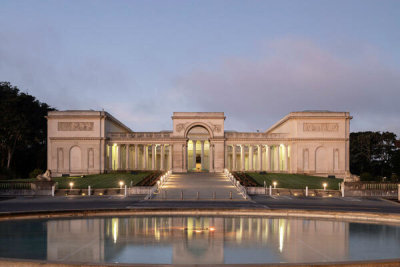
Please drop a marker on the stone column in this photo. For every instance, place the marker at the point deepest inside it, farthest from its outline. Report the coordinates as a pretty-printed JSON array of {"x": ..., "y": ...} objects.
[
  {"x": 211, "y": 156},
  {"x": 162, "y": 157},
  {"x": 242, "y": 157},
  {"x": 234, "y": 158},
  {"x": 119, "y": 157},
  {"x": 276, "y": 158},
  {"x": 144, "y": 157},
  {"x": 194, "y": 153},
  {"x": 184, "y": 152},
  {"x": 127, "y": 157},
  {"x": 136, "y": 156},
  {"x": 170, "y": 156},
  {"x": 110, "y": 162},
  {"x": 153, "y": 156},
  {"x": 226, "y": 157},
  {"x": 202, "y": 154},
  {"x": 286, "y": 158},
  {"x": 259, "y": 147},
  {"x": 250, "y": 157}
]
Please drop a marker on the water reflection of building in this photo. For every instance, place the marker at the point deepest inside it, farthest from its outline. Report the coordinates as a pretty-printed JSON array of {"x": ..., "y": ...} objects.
[
  {"x": 210, "y": 240},
  {"x": 75, "y": 240}
]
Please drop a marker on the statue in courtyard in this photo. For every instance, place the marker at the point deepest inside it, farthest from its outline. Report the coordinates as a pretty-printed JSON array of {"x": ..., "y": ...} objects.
[{"x": 45, "y": 176}]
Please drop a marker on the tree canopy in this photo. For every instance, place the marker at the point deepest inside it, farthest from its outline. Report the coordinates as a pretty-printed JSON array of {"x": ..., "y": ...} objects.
[
  {"x": 374, "y": 153},
  {"x": 23, "y": 132}
]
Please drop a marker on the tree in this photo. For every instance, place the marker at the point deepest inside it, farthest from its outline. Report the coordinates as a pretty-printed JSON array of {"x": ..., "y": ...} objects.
[
  {"x": 374, "y": 153},
  {"x": 23, "y": 129}
]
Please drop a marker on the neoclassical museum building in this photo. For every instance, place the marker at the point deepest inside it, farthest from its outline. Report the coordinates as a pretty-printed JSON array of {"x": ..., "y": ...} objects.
[{"x": 89, "y": 142}]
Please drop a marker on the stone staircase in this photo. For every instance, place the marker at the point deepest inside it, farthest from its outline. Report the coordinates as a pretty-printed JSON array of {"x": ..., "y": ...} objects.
[{"x": 198, "y": 186}]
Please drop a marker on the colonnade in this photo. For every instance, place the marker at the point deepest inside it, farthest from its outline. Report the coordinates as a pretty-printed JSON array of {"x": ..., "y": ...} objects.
[
  {"x": 139, "y": 157},
  {"x": 205, "y": 151},
  {"x": 249, "y": 157}
]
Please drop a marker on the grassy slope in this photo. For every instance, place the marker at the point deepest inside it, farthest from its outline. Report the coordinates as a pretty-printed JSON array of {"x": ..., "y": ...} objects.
[
  {"x": 295, "y": 181},
  {"x": 109, "y": 180}
]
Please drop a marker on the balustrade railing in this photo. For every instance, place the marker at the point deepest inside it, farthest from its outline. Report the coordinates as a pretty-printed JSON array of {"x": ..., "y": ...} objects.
[
  {"x": 140, "y": 135},
  {"x": 242, "y": 190},
  {"x": 157, "y": 187}
]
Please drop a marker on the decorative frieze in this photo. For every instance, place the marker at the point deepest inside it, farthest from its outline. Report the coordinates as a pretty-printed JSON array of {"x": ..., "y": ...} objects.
[
  {"x": 75, "y": 126},
  {"x": 320, "y": 127}
]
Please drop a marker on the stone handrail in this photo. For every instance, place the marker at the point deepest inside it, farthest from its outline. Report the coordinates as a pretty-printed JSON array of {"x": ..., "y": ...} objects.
[
  {"x": 255, "y": 135},
  {"x": 242, "y": 190},
  {"x": 139, "y": 135},
  {"x": 163, "y": 179}
]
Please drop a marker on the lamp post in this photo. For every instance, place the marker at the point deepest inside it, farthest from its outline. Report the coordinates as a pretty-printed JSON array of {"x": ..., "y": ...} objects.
[
  {"x": 274, "y": 183},
  {"x": 71, "y": 184},
  {"x": 121, "y": 183},
  {"x": 325, "y": 185}
]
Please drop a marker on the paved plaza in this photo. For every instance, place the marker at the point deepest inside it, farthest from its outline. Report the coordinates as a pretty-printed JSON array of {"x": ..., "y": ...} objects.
[{"x": 202, "y": 186}]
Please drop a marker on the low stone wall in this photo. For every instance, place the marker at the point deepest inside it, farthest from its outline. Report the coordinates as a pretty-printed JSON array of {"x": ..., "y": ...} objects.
[
  {"x": 139, "y": 190},
  {"x": 25, "y": 192},
  {"x": 371, "y": 189},
  {"x": 292, "y": 192}
]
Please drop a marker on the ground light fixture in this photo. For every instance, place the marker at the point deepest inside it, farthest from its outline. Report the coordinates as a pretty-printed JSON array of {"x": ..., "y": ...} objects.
[
  {"x": 325, "y": 185},
  {"x": 274, "y": 183},
  {"x": 71, "y": 184},
  {"x": 121, "y": 183}
]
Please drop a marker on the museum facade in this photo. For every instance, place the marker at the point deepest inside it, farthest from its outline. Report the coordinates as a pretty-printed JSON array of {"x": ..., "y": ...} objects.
[{"x": 91, "y": 142}]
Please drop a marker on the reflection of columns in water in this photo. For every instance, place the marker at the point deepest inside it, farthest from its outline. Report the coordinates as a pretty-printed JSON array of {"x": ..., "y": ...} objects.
[{"x": 202, "y": 154}]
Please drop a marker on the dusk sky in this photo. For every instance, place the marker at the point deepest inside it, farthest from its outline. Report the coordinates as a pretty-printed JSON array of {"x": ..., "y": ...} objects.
[{"x": 254, "y": 60}]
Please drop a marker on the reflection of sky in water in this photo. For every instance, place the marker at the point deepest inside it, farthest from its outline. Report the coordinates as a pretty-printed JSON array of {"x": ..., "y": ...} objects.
[
  {"x": 374, "y": 241},
  {"x": 202, "y": 240}
]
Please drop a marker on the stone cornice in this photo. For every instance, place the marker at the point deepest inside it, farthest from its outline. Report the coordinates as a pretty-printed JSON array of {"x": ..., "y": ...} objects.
[
  {"x": 198, "y": 117},
  {"x": 257, "y": 141},
  {"x": 77, "y": 138}
]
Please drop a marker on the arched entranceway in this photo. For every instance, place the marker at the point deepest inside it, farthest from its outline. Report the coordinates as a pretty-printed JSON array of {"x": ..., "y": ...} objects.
[{"x": 198, "y": 149}]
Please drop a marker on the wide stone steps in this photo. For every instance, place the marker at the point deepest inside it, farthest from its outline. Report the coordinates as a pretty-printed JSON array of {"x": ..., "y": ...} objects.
[{"x": 198, "y": 186}]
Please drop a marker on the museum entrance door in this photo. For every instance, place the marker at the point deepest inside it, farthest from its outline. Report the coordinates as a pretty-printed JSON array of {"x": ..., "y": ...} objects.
[{"x": 198, "y": 149}]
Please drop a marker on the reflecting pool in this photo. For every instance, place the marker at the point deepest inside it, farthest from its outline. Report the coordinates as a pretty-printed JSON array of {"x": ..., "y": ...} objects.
[{"x": 201, "y": 240}]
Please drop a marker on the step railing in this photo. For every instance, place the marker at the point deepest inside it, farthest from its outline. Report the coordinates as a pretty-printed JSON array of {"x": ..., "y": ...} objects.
[
  {"x": 242, "y": 190},
  {"x": 157, "y": 187}
]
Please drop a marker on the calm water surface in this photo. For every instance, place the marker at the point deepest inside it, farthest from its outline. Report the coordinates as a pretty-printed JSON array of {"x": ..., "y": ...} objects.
[{"x": 211, "y": 240}]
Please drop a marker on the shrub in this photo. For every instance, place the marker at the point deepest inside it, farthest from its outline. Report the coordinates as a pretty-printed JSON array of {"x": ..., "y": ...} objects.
[
  {"x": 6, "y": 174},
  {"x": 394, "y": 178},
  {"x": 35, "y": 173},
  {"x": 366, "y": 176}
]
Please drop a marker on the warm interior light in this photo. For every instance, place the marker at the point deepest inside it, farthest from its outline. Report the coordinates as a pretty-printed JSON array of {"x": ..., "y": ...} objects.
[{"x": 212, "y": 229}]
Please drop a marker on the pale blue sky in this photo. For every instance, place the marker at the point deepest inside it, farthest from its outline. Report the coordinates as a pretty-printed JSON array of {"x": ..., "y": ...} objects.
[{"x": 254, "y": 60}]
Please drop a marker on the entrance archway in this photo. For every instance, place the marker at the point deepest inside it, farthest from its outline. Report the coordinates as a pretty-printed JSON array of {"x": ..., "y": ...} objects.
[{"x": 198, "y": 149}]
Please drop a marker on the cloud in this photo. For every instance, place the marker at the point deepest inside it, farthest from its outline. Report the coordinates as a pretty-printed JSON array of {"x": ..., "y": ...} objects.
[{"x": 296, "y": 74}]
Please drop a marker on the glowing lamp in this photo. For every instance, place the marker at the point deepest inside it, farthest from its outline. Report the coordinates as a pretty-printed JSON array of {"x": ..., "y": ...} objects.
[
  {"x": 121, "y": 183},
  {"x": 325, "y": 185},
  {"x": 274, "y": 183},
  {"x": 71, "y": 184}
]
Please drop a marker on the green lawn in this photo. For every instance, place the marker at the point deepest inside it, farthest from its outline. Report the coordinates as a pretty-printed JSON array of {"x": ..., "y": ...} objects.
[
  {"x": 295, "y": 181},
  {"x": 109, "y": 180}
]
